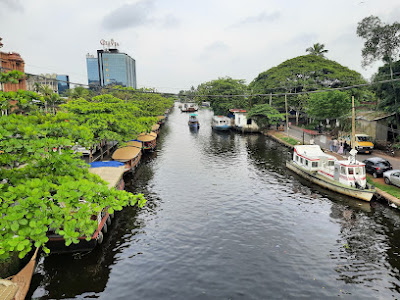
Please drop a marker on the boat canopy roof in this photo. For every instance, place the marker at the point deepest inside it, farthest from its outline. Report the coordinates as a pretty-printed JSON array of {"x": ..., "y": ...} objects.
[
  {"x": 313, "y": 152},
  {"x": 147, "y": 137},
  {"x": 137, "y": 144},
  {"x": 218, "y": 118},
  {"x": 193, "y": 115},
  {"x": 126, "y": 153},
  {"x": 348, "y": 164},
  {"x": 161, "y": 117},
  {"x": 155, "y": 127}
]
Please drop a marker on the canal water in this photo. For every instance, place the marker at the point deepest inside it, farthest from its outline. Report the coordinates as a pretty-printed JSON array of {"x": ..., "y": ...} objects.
[{"x": 226, "y": 220}]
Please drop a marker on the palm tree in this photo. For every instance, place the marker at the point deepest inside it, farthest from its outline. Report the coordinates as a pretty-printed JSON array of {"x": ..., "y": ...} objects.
[{"x": 317, "y": 49}]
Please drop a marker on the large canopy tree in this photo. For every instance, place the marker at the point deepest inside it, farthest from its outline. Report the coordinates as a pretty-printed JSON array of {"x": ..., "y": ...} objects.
[
  {"x": 218, "y": 92},
  {"x": 302, "y": 74}
]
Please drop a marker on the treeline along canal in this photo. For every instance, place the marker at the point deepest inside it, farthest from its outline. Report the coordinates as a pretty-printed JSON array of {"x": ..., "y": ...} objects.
[{"x": 226, "y": 220}]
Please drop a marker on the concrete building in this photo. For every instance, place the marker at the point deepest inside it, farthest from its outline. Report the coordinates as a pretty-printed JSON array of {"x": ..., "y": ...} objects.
[
  {"x": 8, "y": 62},
  {"x": 35, "y": 81},
  {"x": 241, "y": 122}
]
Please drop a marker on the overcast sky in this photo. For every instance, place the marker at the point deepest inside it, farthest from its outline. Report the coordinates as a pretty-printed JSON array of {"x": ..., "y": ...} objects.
[{"x": 177, "y": 43}]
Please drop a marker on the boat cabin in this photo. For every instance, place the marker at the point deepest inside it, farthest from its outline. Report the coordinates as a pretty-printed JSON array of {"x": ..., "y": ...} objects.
[
  {"x": 221, "y": 123},
  {"x": 314, "y": 160}
]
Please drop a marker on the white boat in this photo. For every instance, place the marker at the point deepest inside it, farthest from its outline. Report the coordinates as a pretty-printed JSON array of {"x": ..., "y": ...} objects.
[
  {"x": 221, "y": 123},
  {"x": 347, "y": 177}
]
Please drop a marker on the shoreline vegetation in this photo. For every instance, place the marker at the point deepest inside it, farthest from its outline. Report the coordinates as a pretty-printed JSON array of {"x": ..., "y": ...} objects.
[{"x": 45, "y": 183}]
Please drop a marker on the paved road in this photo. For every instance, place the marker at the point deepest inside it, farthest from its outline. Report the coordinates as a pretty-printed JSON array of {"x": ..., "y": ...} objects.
[{"x": 325, "y": 140}]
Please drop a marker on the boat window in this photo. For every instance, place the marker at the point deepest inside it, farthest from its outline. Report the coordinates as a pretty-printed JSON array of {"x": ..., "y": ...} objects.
[
  {"x": 315, "y": 164},
  {"x": 306, "y": 162},
  {"x": 301, "y": 160},
  {"x": 357, "y": 171},
  {"x": 331, "y": 163},
  {"x": 297, "y": 158},
  {"x": 351, "y": 171},
  {"x": 342, "y": 170}
]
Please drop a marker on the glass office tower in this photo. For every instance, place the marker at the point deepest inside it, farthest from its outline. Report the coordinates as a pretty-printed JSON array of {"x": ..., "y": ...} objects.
[
  {"x": 63, "y": 83},
  {"x": 92, "y": 70},
  {"x": 113, "y": 68}
]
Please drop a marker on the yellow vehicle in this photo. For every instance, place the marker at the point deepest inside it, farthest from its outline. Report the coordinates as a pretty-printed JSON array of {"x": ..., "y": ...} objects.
[{"x": 363, "y": 142}]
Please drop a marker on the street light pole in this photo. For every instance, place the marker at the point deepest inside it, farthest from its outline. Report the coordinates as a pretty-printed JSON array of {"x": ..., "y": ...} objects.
[{"x": 287, "y": 117}]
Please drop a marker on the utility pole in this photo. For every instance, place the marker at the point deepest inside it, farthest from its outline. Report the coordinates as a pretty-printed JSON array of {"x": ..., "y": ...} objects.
[
  {"x": 287, "y": 117},
  {"x": 270, "y": 99},
  {"x": 353, "y": 124}
]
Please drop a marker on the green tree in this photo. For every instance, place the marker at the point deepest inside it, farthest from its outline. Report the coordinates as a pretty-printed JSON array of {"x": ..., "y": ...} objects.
[
  {"x": 219, "y": 93},
  {"x": 265, "y": 115},
  {"x": 303, "y": 74},
  {"x": 382, "y": 42},
  {"x": 317, "y": 49},
  {"x": 328, "y": 105}
]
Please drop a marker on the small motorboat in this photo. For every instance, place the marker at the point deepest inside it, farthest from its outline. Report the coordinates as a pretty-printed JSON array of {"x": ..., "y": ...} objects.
[
  {"x": 193, "y": 122},
  {"x": 221, "y": 123}
]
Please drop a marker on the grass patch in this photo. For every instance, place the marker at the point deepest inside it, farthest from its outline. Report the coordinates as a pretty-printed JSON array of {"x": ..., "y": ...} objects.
[
  {"x": 390, "y": 189},
  {"x": 287, "y": 139}
]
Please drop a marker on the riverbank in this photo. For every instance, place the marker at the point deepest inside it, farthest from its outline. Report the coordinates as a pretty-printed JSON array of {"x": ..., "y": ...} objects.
[{"x": 387, "y": 193}]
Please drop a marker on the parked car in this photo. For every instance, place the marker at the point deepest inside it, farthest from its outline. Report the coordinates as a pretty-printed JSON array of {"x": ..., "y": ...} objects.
[
  {"x": 377, "y": 166},
  {"x": 392, "y": 177}
]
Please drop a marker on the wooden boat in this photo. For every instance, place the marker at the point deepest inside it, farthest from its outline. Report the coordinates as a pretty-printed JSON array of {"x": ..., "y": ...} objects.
[
  {"x": 161, "y": 120},
  {"x": 193, "y": 122},
  {"x": 155, "y": 128},
  {"x": 16, "y": 287},
  {"x": 221, "y": 123},
  {"x": 111, "y": 172},
  {"x": 347, "y": 177},
  {"x": 149, "y": 140},
  {"x": 129, "y": 155}
]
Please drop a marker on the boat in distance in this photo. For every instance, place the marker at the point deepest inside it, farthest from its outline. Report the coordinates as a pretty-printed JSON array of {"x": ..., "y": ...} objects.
[
  {"x": 346, "y": 177},
  {"x": 221, "y": 123},
  {"x": 193, "y": 122}
]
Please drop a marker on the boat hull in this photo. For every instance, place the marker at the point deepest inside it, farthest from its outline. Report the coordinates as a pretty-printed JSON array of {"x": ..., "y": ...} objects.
[
  {"x": 221, "y": 127},
  {"x": 365, "y": 195}
]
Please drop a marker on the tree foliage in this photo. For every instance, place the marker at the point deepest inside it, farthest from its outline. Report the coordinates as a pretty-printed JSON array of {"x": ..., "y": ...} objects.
[
  {"x": 382, "y": 41},
  {"x": 265, "y": 115},
  {"x": 387, "y": 92},
  {"x": 223, "y": 87},
  {"x": 328, "y": 105},
  {"x": 317, "y": 49},
  {"x": 44, "y": 185},
  {"x": 302, "y": 74}
]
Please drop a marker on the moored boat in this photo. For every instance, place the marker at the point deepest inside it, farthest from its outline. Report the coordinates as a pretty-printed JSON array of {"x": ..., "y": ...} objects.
[
  {"x": 161, "y": 120},
  {"x": 16, "y": 287},
  {"x": 149, "y": 140},
  {"x": 189, "y": 107},
  {"x": 221, "y": 123},
  {"x": 347, "y": 177},
  {"x": 111, "y": 172},
  {"x": 155, "y": 128},
  {"x": 193, "y": 122},
  {"x": 129, "y": 155}
]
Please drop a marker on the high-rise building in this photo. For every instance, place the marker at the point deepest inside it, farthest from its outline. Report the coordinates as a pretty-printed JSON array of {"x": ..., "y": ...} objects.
[
  {"x": 111, "y": 67},
  {"x": 63, "y": 83},
  {"x": 92, "y": 65}
]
